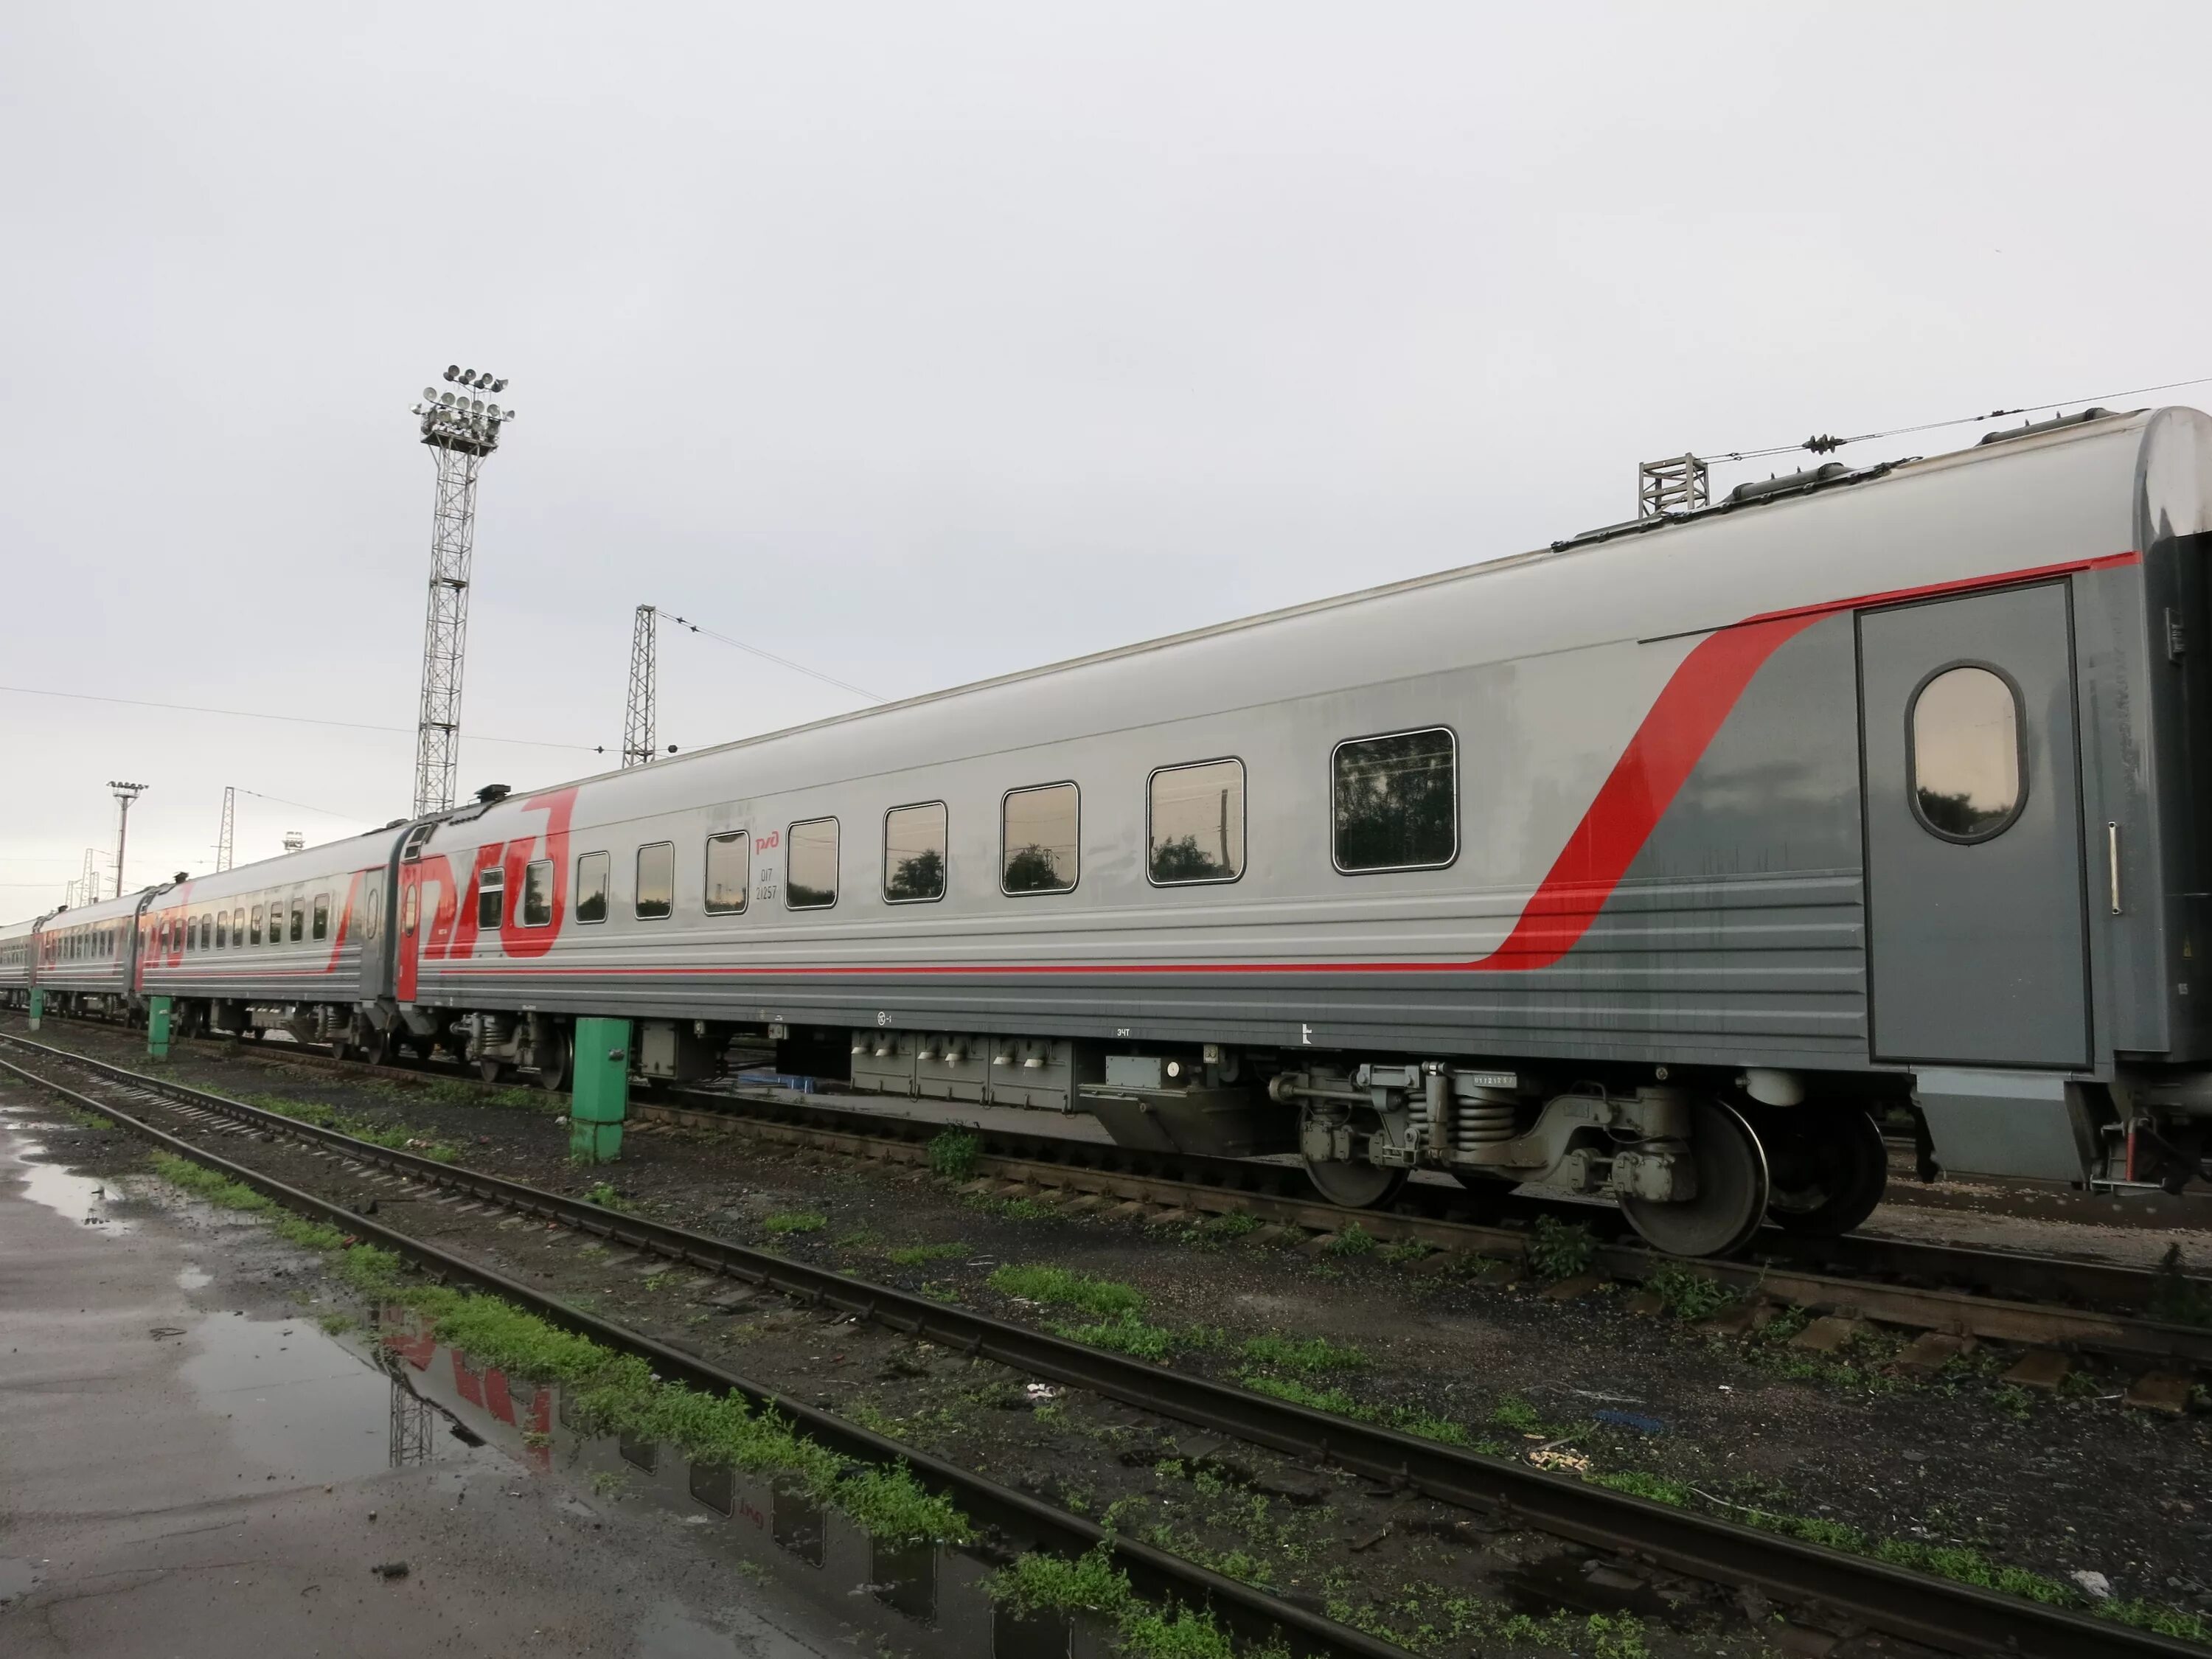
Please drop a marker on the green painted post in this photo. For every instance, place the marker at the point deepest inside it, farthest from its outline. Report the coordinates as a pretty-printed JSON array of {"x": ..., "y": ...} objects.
[
  {"x": 601, "y": 1097},
  {"x": 38, "y": 1005},
  {"x": 157, "y": 1027}
]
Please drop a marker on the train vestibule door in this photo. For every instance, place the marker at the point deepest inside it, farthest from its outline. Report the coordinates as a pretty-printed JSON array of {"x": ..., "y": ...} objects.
[{"x": 1976, "y": 944}]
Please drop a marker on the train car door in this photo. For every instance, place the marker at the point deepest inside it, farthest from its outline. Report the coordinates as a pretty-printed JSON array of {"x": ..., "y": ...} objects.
[{"x": 1977, "y": 934}]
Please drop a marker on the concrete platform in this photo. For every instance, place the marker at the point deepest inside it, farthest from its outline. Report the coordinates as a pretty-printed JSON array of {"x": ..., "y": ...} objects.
[{"x": 193, "y": 1467}]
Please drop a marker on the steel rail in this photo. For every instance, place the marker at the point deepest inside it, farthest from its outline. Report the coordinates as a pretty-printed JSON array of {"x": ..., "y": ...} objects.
[
  {"x": 1959, "y": 1618},
  {"x": 1152, "y": 1571}
]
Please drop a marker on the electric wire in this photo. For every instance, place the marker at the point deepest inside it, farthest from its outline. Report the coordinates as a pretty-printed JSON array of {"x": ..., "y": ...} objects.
[
  {"x": 1824, "y": 443},
  {"x": 786, "y": 662},
  {"x": 293, "y": 720}
]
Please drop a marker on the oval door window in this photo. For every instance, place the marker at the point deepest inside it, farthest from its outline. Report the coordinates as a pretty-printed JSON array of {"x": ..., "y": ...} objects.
[{"x": 1968, "y": 779}]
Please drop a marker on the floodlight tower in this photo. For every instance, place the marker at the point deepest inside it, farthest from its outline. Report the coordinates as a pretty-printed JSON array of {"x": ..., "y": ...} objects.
[
  {"x": 642, "y": 713},
  {"x": 461, "y": 431},
  {"x": 124, "y": 794}
]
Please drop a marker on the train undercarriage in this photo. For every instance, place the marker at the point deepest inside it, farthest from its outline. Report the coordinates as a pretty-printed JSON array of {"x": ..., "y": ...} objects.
[{"x": 1697, "y": 1160}]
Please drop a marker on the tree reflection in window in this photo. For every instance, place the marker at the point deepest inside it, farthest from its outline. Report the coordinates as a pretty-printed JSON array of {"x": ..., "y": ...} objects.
[
  {"x": 810, "y": 867},
  {"x": 1396, "y": 801},
  {"x": 1039, "y": 829},
  {"x": 1967, "y": 776},
  {"x": 914, "y": 853},
  {"x": 1197, "y": 817}
]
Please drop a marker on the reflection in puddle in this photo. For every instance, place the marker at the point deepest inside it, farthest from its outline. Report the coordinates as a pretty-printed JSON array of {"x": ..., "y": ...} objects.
[
  {"x": 303, "y": 1408},
  {"x": 81, "y": 1199},
  {"x": 936, "y": 1593},
  {"x": 190, "y": 1278}
]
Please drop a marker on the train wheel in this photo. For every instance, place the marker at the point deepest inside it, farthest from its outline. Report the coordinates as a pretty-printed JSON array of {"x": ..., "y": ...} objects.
[
  {"x": 555, "y": 1077},
  {"x": 1733, "y": 1188},
  {"x": 1355, "y": 1186},
  {"x": 1830, "y": 1169}
]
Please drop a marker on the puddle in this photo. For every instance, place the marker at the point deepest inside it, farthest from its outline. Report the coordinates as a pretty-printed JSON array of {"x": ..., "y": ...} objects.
[
  {"x": 307, "y": 1409},
  {"x": 922, "y": 1600},
  {"x": 190, "y": 1278},
  {"x": 17, "y": 1576},
  {"x": 81, "y": 1199}
]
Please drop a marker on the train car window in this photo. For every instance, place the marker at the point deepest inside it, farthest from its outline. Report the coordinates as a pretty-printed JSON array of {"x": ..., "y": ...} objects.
[
  {"x": 591, "y": 887},
  {"x": 656, "y": 881},
  {"x": 372, "y": 906},
  {"x": 729, "y": 871},
  {"x": 491, "y": 898},
  {"x": 811, "y": 864},
  {"x": 238, "y": 928},
  {"x": 1038, "y": 832},
  {"x": 299, "y": 918},
  {"x": 1967, "y": 768},
  {"x": 1196, "y": 823},
  {"x": 1396, "y": 801},
  {"x": 407, "y": 908},
  {"x": 914, "y": 846},
  {"x": 537, "y": 894},
  {"x": 253, "y": 925},
  {"x": 322, "y": 915},
  {"x": 221, "y": 929}
]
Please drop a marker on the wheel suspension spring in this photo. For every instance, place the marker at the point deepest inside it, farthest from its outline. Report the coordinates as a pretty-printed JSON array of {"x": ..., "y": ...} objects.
[{"x": 1481, "y": 1123}]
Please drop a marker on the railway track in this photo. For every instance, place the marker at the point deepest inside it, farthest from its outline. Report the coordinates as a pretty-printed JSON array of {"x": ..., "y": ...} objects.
[
  {"x": 2031, "y": 1302},
  {"x": 1937, "y": 1612}
]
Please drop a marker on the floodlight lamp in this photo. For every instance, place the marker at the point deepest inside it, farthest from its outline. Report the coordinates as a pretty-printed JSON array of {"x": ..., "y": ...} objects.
[
  {"x": 499, "y": 385},
  {"x": 447, "y": 398},
  {"x": 429, "y": 394},
  {"x": 453, "y": 371},
  {"x": 492, "y": 411}
]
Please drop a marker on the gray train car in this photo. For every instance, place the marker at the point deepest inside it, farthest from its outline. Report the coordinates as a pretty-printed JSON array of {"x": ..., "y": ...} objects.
[
  {"x": 18, "y": 939},
  {"x": 86, "y": 959},
  {"x": 289, "y": 942},
  {"x": 1639, "y": 865}
]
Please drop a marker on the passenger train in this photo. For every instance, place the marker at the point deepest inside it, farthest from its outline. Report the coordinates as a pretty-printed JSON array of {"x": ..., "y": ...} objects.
[{"x": 1643, "y": 865}]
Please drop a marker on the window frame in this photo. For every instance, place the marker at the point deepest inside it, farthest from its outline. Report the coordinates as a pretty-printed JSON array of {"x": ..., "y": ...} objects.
[
  {"x": 299, "y": 918},
  {"x": 319, "y": 926},
  {"x": 2020, "y": 753},
  {"x": 606, "y": 889},
  {"x": 238, "y": 927},
  {"x": 1244, "y": 784},
  {"x": 744, "y": 837},
  {"x": 529, "y": 873},
  {"x": 937, "y": 897},
  {"x": 837, "y": 861},
  {"x": 253, "y": 919},
  {"x": 1032, "y": 789},
  {"x": 491, "y": 879},
  {"x": 637, "y": 871},
  {"x": 1339, "y": 747}
]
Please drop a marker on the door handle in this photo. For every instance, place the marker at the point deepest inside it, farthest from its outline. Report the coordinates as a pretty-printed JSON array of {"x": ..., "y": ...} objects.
[{"x": 2112, "y": 862}]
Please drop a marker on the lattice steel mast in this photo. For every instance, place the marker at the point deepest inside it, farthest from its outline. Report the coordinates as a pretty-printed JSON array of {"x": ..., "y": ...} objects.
[
  {"x": 641, "y": 715},
  {"x": 1679, "y": 483},
  {"x": 222, "y": 841},
  {"x": 462, "y": 431}
]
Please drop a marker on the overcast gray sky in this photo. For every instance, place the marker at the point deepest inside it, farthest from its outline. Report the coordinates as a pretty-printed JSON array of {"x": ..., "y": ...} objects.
[{"x": 921, "y": 342}]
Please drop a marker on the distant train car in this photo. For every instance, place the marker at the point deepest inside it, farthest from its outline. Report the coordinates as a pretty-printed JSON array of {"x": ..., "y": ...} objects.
[
  {"x": 291, "y": 942},
  {"x": 84, "y": 958},
  {"x": 1642, "y": 866},
  {"x": 18, "y": 939}
]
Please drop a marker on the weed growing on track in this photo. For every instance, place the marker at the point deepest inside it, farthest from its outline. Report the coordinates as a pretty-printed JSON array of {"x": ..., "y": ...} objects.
[
  {"x": 953, "y": 1154},
  {"x": 603, "y": 1193},
  {"x": 1308, "y": 1355},
  {"x": 393, "y": 1138},
  {"x": 1560, "y": 1250},
  {"x": 1061, "y": 1287},
  {"x": 1352, "y": 1240},
  {"x": 796, "y": 1221},
  {"x": 203, "y": 1182},
  {"x": 1687, "y": 1294},
  {"x": 1036, "y": 1583}
]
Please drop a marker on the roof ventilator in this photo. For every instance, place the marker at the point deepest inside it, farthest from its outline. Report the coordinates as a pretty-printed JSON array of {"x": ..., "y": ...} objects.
[{"x": 2035, "y": 428}]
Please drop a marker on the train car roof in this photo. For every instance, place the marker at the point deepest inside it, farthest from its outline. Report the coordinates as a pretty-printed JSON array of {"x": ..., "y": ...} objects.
[{"x": 2085, "y": 487}]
